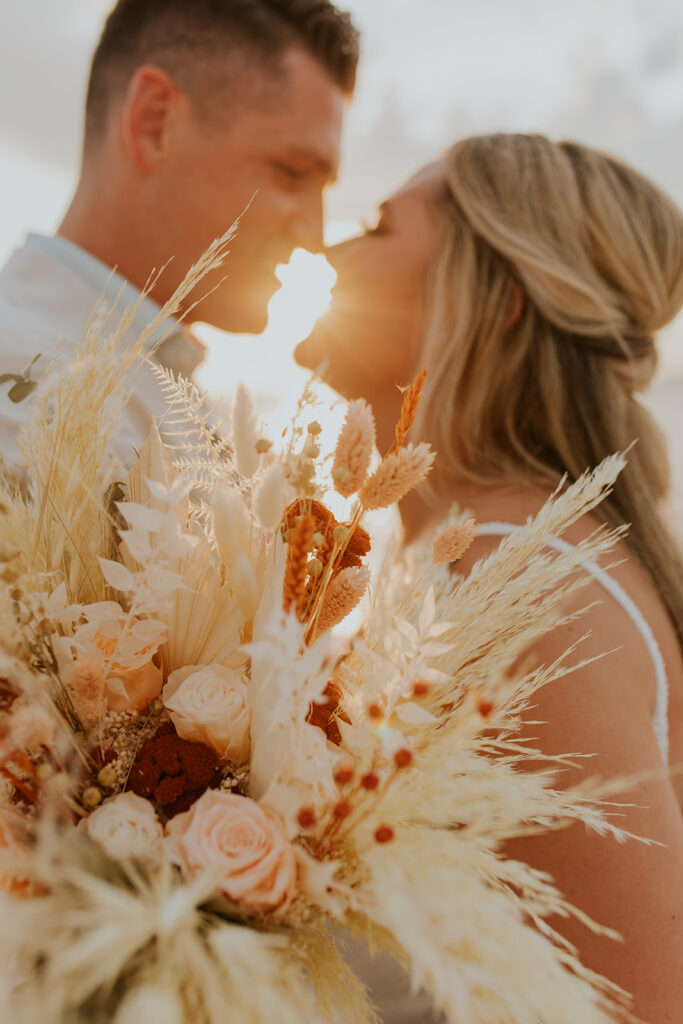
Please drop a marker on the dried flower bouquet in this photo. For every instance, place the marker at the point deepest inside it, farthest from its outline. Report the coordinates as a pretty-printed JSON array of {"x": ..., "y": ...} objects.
[{"x": 200, "y": 786}]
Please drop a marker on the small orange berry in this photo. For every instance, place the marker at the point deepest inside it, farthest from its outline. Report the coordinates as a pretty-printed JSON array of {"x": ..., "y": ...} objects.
[
  {"x": 370, "y": 781},
  {"x": 421, "y": 689},
  {"x": 342, "y": 809},
  {"x": 344, "y": 774},
  {"x": 402, "y": 758},
  {"x": 375, "y": 711},
  {"x": 485, "y": 708},
  {"x": 306, "y": 817},
  {"x": 384, "y": 834}
]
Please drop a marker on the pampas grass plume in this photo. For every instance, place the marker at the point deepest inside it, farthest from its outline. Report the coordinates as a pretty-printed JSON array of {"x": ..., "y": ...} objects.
[
  {"x": 452, "y": 543},
  {"x": 354, "y": 449},
  {"x": 151, "y": 1004},
  {"x": 269, "y": 497},
  {"x": 245, "y": 432},
  {"x": 396, "y": 476},
  {"x": 230, "y": 526},
  {"x": 344, "y": 593}
]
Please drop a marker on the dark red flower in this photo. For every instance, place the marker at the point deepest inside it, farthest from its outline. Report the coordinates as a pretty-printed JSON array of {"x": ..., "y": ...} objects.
[{"x": 173, "y": 772}]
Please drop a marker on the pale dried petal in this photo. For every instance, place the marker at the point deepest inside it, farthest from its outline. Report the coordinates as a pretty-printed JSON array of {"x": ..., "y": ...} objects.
[
  {"x": 245, "y": 433},
  {"x": 354, "y": 449},
  {"x": 230, "y": 526},
  {"x": 452, "y": 543},
  {"x": 396, "y": 476},
  {"x": 269, "y": 497},
  {"x": 245, "y": 586}
]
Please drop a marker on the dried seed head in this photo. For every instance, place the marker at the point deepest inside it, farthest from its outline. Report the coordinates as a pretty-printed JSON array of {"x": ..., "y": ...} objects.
[
  {"x": 344, "y": 774},
  {"x": 384, "y": 834},
  {"x": 344, "y": 593},
  {"x": 306, "y": 817},
  {"x": 354, "y": 449},
  {"x": 314, "y": 428},
  {"x": 403, "y": 758},
  {"x": 311, "y": 449},
  {"x": 91, "y": 797},
  {"x": 340, "y": 534},
  {"x": 452, "y": 543},
  {"x": 318, "y": 539},
  {"x": 263, "y": 446},
  {"x": 370, "y": 781},
  {"x": 107, "y": 776},
  {"x": 396, "y": 475},
  {"x": 315, "y": 567}
]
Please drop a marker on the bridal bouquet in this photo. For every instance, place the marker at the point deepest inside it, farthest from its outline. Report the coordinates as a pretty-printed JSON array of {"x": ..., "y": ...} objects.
[{"x": 203, "y": 784}]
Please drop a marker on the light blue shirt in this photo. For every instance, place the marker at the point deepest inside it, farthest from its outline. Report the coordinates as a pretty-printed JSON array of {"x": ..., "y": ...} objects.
[{"x": 178, "y": 350}]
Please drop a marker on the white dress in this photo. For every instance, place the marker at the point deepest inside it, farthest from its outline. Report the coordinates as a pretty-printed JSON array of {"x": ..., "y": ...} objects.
[{"x": 387, "y": 983}]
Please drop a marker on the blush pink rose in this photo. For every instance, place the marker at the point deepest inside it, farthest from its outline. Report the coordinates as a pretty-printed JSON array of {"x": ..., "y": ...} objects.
[{"x": 246, "y": 842}]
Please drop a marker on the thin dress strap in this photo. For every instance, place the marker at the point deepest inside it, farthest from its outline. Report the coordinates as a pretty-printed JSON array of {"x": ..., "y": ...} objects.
[{"x": 660, "y": 718}]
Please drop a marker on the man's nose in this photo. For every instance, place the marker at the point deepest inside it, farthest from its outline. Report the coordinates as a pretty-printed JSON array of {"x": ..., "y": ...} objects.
[{"x": 308, "y": 224}]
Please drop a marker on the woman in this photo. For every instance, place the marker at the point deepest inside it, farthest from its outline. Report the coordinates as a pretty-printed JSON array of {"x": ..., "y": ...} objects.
[{"x": 529, "y": 277}]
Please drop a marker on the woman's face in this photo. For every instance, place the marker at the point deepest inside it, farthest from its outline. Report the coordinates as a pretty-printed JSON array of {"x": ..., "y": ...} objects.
[{"x": 370, "y": 337}]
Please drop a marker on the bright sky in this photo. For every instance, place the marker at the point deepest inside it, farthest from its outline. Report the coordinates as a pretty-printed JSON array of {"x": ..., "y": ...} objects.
[{"x": 609, "y": 72}]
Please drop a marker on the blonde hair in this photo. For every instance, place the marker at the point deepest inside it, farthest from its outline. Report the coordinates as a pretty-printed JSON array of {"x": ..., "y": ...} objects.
[{"x": 556, "y": 264}]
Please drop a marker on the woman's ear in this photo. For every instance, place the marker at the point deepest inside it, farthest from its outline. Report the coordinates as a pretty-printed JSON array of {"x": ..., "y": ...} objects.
[{"x": 515, "y": 305}]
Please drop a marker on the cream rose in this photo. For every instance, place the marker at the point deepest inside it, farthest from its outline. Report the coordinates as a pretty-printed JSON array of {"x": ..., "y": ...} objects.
[
  {"x": 246, "y": 842},
  {"x": 210, "y": 704},
  {"x": 127, "y": 826}
]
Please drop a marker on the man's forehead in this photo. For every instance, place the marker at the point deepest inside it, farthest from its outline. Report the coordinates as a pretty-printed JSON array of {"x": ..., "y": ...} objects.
[{"x": 302, "y": 111}]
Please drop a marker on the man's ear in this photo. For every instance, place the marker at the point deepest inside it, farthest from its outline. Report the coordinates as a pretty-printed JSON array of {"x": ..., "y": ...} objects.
[
  {"x": 148, "y": 116},
  {"x": 515, "y": 306}
]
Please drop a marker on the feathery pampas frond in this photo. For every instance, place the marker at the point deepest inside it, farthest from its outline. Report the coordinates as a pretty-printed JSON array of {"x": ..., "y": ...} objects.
[
  {"x": 344, "y": 593},
  {"x": 354, "y": 449},
  {"x": 396, "y": 476},
  {"x": 411, "y": 401},
  {"x": 452, "y": 543}
]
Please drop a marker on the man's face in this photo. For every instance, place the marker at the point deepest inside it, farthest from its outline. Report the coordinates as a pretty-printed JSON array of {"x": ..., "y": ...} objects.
[{"x": 278, "y": 149}]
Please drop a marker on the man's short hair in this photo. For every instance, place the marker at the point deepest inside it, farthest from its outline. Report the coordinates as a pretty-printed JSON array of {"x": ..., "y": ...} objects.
[{"x": 193, "y": 39}]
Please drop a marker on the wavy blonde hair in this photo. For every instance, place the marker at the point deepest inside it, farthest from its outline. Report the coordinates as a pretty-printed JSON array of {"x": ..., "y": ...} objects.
[{"x": 555, "y": 266}]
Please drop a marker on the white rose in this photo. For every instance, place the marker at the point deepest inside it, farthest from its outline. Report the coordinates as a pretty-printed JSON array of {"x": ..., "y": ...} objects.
[
  {"x": 210, "y": 704},
  {"x": 127, "y": 826}
]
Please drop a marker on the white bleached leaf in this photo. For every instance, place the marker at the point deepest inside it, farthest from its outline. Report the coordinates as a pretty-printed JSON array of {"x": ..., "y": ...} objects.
[
  {"x": 116, "y": 575},
  {"x": 117, "y": 687},
  {"x": 428, "y": 613},
  {"x": 140, "y": 517},
  {"x": 138, "y": 544},
  {"x": 413, "y": 714}
]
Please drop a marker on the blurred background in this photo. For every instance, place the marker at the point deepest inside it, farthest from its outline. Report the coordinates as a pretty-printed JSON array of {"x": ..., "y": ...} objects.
[{"x": 606, "y": 72}]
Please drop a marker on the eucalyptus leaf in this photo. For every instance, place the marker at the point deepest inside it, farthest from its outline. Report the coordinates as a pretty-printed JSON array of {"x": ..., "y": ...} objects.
[{"x": 21, "y": 390}]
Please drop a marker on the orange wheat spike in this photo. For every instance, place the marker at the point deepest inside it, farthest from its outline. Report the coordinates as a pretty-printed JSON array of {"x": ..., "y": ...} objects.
[
  {"x": 297, "y": 561},
  {"x": 411, "y": 402}
]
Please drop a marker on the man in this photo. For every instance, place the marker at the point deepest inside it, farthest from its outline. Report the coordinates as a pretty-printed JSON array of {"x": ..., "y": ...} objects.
[{"x": 196, "y": 111}]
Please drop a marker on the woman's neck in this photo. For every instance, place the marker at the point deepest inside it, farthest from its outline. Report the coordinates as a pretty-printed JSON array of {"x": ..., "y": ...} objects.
[{"x": 498, "y": 501}]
